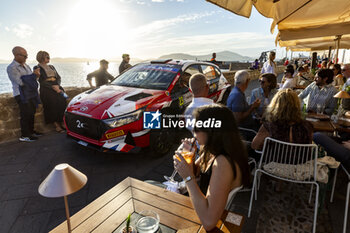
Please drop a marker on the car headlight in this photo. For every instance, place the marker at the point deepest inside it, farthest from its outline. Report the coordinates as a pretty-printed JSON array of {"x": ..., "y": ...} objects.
[{"x": 125, "y": 119}]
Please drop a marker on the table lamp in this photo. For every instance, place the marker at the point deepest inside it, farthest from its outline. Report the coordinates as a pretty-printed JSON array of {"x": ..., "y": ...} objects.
[
  {"x": 62, "y": 181},
  {"x": 341, "y": 95}
]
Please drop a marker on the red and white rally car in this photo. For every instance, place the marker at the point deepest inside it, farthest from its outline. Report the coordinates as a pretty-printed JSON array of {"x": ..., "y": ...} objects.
[{"x": 110, "y": 117}]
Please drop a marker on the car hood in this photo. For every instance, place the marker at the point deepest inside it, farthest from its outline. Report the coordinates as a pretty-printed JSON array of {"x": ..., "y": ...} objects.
[{"x": 111, "y": 100}]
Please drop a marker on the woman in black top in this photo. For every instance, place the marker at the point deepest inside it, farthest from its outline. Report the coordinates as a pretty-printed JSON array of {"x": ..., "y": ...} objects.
[
  {"x": 52, "y": 94},
  {"x": 222, "y": 165}
]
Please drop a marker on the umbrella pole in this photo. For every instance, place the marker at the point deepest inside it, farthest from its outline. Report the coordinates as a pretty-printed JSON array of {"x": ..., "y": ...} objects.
[
  {"x": 337, "y": 51},
  {"x": 67, "y": 213},
  {"x": 329, "y": 53}
]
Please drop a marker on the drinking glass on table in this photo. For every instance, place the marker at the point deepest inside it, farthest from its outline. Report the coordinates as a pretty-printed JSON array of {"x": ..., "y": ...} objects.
[
  {"x": 148, "y": 222},
  {"x": 319, "y": 109},
  {"x": 187, "y": 151}
]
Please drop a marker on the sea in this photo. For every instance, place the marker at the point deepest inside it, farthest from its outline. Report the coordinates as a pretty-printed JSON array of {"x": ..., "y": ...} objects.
[{"x": 72, "y": 73}]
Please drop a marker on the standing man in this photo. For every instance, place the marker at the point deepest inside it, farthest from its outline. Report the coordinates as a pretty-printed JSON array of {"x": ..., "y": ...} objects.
[
  {"x": 27, "y": 106},
  {"x": 213, "y": 58},
  {"x": 125, "y": 63},
  {"x": 270, "y": 65},
  {"x": 200, "y": 91},
  {"x": 101, "y": 75}
]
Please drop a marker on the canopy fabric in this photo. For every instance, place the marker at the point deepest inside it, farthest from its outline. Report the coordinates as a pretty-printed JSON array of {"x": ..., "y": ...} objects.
[
  {"x": 276, "y": 9},
  {"x": 315, "y": 44},
  {"x": 317, "y": 19}
]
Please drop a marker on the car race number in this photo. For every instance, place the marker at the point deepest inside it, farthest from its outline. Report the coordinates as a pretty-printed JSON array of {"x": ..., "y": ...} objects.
[{"x": 181, "y": 100}]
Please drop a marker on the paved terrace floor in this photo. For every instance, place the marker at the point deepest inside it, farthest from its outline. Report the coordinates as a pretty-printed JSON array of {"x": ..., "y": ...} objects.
[{"x": 23, "y": 166}]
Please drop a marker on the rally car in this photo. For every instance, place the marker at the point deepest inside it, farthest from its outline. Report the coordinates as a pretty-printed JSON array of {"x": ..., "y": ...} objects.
[{"x": 110, "y": 117}]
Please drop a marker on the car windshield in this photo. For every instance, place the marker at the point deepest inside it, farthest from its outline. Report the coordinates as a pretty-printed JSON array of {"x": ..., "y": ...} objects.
[{"x": 149, "y": 76}]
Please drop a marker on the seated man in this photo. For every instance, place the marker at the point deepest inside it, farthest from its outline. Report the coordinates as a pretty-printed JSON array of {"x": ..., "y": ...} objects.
[
  {"x": 320, "y": 92},
  {"x": 200, "y": 90},
  {"x": 238, "y": 104}
]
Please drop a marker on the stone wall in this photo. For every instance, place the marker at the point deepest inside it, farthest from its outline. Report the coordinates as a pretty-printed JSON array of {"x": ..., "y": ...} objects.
[
  {"x": 9, "y": 112},
  {"x": 9, "y": 115}
]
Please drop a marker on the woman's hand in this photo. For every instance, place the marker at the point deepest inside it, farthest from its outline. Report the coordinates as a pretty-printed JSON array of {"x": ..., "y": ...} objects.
[
  {"x": 346, "y": 144},
  {"x": 56, "y": 88},
  {"x": 182, "y": 167},
  {"x": 189, "y": 144}
]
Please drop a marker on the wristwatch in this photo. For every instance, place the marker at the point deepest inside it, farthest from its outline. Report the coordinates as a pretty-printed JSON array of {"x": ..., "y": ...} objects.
[{"x": 188, "y": 178}]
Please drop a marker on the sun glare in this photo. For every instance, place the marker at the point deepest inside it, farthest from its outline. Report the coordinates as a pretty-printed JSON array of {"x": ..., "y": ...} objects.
[{"x": 94, "y": 29}]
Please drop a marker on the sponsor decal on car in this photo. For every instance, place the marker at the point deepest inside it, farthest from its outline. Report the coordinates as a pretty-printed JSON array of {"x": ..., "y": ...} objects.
[{"x": 115, "y": 134}]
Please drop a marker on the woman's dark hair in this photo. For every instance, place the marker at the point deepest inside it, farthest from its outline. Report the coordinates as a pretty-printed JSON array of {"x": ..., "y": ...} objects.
[
  {"x": 272, "y": 79},
  {"x": 290, "y": 66},
  {"x": 326, "y": 73},
  {"x": 337, "y": 66},
  {"x": 289, "y": 70},
  {"x": 224, "y": 140}
]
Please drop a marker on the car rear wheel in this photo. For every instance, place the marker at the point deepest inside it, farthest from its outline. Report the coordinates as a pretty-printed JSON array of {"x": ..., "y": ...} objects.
[{"x": 161, "y": 141}]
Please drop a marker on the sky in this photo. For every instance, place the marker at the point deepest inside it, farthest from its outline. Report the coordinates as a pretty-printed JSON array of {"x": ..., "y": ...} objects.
[{"x": 143, "y": 28}]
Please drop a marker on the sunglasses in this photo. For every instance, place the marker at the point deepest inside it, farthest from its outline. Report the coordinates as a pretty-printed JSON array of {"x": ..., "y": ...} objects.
[
  {"x": 48, "y": 57},
  {"x": 261, "y": 81},
  {"x": 344, "y": 70}
]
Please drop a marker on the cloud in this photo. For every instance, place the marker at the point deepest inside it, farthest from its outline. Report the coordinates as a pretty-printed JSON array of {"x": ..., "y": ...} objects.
[
  {"x": 158, "y": 26},
  {"x": 7, "y": 29},
  {"x": 157, "y": 0},
  {"x": 141, "y": 2},
  {"x": 22, "y": 30}
]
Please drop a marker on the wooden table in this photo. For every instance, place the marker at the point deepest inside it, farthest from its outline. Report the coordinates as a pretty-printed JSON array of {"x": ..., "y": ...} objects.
[
  {"x": 109, "y": 211},
  {"x": 327, "y": 125}
]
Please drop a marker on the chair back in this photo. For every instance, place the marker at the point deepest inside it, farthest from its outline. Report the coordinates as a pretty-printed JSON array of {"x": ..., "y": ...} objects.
[
  {"x": 289, "y": 161},
  {"x": 231, "y": 196}
]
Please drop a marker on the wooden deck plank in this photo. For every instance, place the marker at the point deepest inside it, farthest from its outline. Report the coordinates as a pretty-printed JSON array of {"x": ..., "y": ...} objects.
[
  {"x": 160, "y": 192},
  {"x": 94, "y": 206},
  {"x": 96, "y": 219},
  {"x": 164, "y": 204},
  {"x": 166, "y": 218},
  {"x": 189, "y": 230},
  {"x": 117, "y": 218}
]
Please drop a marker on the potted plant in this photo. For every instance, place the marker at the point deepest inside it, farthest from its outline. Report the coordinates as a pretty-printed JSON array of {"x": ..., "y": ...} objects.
[{"x": 128, "y": 228}]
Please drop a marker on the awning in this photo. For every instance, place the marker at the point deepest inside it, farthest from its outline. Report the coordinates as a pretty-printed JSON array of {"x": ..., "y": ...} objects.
[
  {"x": 316, "y": 44},
  {"x": 275, "y": 9},
  {"x": 319, "y": 18}
]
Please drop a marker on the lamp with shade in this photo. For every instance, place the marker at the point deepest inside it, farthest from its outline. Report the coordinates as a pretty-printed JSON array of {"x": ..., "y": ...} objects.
[
  {"x": 341, "y": 95},
  {"x": 62, "y": 181}
]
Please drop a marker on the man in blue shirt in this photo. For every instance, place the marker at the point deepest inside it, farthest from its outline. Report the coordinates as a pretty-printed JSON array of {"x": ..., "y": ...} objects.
[
  {"x": 15, "y": 71},
  {"x": 238, "y": 104}
]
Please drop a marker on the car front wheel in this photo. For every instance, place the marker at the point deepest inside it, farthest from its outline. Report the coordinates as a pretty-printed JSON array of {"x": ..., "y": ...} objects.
[{"x": 161, "y": 141}]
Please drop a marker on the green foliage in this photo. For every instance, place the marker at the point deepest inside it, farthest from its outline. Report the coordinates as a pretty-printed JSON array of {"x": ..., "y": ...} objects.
[{"x": 128, "y": 222}]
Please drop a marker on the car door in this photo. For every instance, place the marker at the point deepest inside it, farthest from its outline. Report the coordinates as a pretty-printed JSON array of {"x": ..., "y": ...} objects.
[
  {"x": 180, "y": 94},
  {"x": 212, "y": 75}
]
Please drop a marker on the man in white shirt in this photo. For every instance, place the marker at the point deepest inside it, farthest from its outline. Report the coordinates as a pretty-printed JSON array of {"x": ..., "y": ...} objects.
[
  {"x": 15, "y": 71},
  {"x": 200, "y": 90},
  {"x": 270, "y": 66}
]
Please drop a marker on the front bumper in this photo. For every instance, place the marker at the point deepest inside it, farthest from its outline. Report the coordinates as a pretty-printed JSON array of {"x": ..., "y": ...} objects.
[{"x": 130, "y": 143}]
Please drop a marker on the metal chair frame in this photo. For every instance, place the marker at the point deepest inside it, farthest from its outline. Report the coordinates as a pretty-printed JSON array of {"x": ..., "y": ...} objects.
[
  {"x": 288, "y": 154},
  {"x": 347, "y": 194}
]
